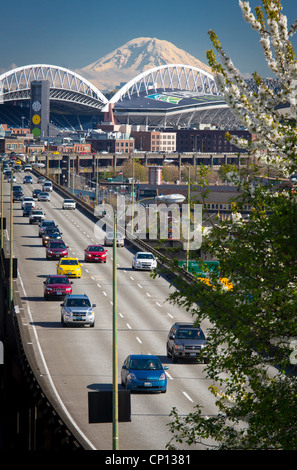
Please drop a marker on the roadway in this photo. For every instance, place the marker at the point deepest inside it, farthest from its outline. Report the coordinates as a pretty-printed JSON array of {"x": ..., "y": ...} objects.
[{"x": 73, "y": 361}]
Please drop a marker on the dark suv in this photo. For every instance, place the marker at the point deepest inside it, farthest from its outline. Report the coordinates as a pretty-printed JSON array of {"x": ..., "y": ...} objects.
[{"x": 186, "y": 341}]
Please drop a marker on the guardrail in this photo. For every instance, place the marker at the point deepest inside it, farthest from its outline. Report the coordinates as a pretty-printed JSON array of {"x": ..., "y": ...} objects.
[{"x": 41, "y": 422}]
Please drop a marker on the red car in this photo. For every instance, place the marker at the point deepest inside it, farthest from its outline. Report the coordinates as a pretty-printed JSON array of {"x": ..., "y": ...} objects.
[
  {"x": 56, "y": 249},
  {"x": 57, "y": 286},
  {"x": 95, "y": 253}
]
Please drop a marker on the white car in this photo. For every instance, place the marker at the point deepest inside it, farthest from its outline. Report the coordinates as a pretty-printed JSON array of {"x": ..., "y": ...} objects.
[
  {"x": 69, "y": 204},
  {"x": 28, "y": 200},
  {"x": 144, "y": 260}
]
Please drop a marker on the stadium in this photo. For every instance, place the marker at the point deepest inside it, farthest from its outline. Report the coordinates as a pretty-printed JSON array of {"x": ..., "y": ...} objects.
[
  {"x": 172, "y": 96},
  {"x": 168, "y": 96}
]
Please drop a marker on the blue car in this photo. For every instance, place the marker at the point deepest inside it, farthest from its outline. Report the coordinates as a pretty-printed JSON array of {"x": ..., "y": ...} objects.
[
  {"x": 28, "y": 179},
  {"x": 144, "y": 373}
]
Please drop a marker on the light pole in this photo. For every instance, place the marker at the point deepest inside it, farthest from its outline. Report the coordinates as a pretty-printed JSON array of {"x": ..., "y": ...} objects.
[
  {"x": 115, "y": 393},
  {"x": 189, "y": 215},
  {"x": 2, "y": 205},
  {"x": 115, "y": 404},
  {"x": 11, "y": 246}
]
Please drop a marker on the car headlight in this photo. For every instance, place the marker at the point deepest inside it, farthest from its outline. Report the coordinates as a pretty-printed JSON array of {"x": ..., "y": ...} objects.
[
  {"x": 162, "y": 376},
  {"x": 178, "y": 346},
  {"x": 131, "y": 376}
]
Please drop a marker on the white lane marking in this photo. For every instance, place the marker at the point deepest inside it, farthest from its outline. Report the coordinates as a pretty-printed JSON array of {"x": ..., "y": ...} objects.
[
  {"x": 169, "y": 314},
  {"x": 139, "y": 286},
  {"x": 168, "y": 375},
  {"x": 47, "y": 372},
  {"x": 139, "y": 340},
  {"x": 132, "y": 279},
  {"x": 148, "y": 294},
  {"x": 98, "y": 285},
  {"x": 159, "y": 305},
  {"x": 128, "y": 326},
  {"x": 104, "y": 293},
  {"x": 187, "y": 396}
]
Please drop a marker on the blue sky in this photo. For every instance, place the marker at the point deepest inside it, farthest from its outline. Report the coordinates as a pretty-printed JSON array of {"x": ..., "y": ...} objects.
[{"x": 74, "y": 34}]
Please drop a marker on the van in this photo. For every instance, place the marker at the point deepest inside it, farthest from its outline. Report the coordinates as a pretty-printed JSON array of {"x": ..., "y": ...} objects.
[{"x": 47, "y": 186}]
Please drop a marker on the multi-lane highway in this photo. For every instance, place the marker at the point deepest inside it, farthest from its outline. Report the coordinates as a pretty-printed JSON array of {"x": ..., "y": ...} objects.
[{"x": 74, "y": 361}]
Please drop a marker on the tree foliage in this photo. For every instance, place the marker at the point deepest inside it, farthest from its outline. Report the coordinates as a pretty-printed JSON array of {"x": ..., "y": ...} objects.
[{"x": 253, "y": 325}]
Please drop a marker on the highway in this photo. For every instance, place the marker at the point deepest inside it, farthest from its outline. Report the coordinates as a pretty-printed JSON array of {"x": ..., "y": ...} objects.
[{"x": 74, "y": 361}]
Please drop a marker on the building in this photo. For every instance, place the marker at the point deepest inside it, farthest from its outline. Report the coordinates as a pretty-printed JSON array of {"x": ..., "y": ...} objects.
[
  {"x": 111, "y": 142},
  {"x": 208, "y": 140},
  {"x": 154, "y": 141}
]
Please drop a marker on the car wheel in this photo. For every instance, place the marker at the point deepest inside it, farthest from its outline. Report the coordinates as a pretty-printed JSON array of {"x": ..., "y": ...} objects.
[
  {"x": 92, "y": 325},
  {"x": 63, "y": 323},
  {"x": 174, "y": 358}
]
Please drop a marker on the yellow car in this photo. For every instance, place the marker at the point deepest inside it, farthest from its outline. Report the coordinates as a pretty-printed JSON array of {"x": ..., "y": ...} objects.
[{"x": 69, "y": 266}]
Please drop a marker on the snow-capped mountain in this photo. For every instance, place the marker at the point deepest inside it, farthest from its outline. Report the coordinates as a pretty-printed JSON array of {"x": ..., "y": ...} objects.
[{"x": 134, "y": 57}]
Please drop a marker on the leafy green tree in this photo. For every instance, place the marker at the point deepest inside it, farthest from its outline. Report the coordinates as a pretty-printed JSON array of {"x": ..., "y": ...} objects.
[{"x": 252, "y": 336}]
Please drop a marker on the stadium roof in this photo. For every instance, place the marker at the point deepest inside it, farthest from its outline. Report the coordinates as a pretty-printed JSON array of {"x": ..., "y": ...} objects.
[{"x": 168, "y": 96}]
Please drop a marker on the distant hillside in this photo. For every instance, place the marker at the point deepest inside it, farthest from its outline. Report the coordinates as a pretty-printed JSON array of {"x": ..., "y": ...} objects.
[{"x": 134, "y": 57}]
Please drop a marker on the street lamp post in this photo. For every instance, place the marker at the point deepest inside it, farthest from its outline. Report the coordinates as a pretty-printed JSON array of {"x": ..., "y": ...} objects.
[
  {"x": 11, "y": 245},
  {"x": 115, "y": 406},
  {"x": 115, "y": 394},
  {"x": 2, "y": 206}
]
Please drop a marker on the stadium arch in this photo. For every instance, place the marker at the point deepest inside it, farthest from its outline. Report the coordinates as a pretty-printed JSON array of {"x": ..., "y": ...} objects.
[
  {"x": 75, "y": 103},
  {"x": 171, "y": 96},
  {"x": 65, "y": 85}
]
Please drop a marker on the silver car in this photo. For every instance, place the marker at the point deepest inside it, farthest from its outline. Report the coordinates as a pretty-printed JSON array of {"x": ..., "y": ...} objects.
[
  {"x": 43, "y": 196},
  {"x": 108, "y": 239},
  {"x": 77, "y": 310}
]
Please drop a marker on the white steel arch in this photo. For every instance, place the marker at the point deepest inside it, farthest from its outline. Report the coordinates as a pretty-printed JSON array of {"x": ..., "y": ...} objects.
[
  {"x": 65, "y": 85},
  {"x": 172, "y": 76}
]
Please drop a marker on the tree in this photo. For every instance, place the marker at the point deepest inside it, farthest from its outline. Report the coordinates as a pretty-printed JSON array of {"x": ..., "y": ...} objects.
[{"x": 252, "y": 336}]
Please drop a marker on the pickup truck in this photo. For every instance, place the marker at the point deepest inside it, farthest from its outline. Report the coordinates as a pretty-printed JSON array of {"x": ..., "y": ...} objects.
[{"x": 36, "y": 216}]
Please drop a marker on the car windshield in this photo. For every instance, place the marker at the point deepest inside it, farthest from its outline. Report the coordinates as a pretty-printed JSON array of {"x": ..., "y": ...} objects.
[
  {"x": 37, "y": 212},
  {"x": 110, "y": 235},
  {"x": 48, "y": 223},
  {"x": 57, "y": 245},
  {"x": 145, "y": 256},
  {"x": 96, "y": 248},
  {"x": 68, "y": 200},
  {"x": 190, "y": 333},
  {"x": 145, "y": 364},
  {"x": 78, "y": 303},
  {"x": 51, "y": 230},
  {"x": 69, "y": 262},
  {"x": 58, "y": 280}
]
